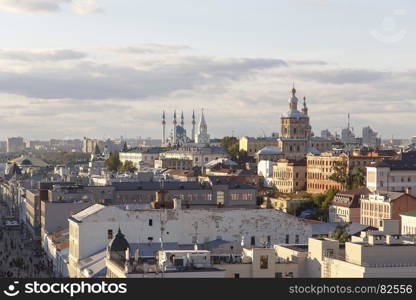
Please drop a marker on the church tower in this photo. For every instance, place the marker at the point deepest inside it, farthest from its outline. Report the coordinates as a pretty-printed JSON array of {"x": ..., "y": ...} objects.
[
  {"x": 295, "y": 129},
  {"x": 193, "y": 125},
  {"x": 202, "y": 136}
]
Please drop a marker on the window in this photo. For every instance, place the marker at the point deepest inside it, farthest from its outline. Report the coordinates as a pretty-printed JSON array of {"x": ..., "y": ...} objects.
[
  {"x": 237, "y": 275},
  {"x": 264, "y": 262},
  {"x": 150, "y": 239},
  {"x": 150, "y": 222},
  {"x": 287, "y": 239},
  {"x": 110, "y": 234},
  {"x": 253, "y": 241},
  {"x": 297, "y": 239},
  {"x": 278, "y": 275},
  {"x": 220, "y": 197},
  {"x": 268, "y": 239}
]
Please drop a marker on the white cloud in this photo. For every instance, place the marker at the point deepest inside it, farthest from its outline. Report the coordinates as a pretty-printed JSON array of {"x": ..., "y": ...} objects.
[
  {"x": 50, "y": 6},
  {"x": 32, "y": 6},
  {"x": 85, "y": 7},
  {"x": 148, "y": 48},
  {"x": 29, "y": 55},
  {"x": 118, "y": 95}
]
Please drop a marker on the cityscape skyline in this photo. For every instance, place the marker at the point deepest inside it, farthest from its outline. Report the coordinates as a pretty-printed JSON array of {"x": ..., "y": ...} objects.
[{"x": 52, "y": 85}]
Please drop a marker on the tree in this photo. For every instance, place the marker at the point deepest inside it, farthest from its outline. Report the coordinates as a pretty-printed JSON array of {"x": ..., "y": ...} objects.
[
  {"x": 231, "y": 146},
  {"x": 128, "y": 167},
  {"x": 357, "y": 180},
  {"x": 340, "y": 233},
  {"x": 340, "y": 173},
  {"x": 113, "y": 163}
]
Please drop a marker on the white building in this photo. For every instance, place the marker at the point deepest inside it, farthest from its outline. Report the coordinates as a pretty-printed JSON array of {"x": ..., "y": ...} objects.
[
  {"x": 265, "y": 169},
  {"x": 91, "y": 229},
  {"x": 408, "y": 221},
  {"x": 202, "y": 136},
  {"x": 392, "y": 176}
]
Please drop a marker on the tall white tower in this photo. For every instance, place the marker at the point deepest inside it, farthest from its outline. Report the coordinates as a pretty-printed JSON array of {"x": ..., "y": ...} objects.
[
  {"x": 193, "y": 126},
  {"x": 174, "y": 127},
  {"x": 202, "y": 136}
]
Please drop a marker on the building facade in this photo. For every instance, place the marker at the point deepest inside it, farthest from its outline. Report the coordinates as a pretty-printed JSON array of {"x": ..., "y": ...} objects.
[
  {"x": 90, "y": 229},
  {"x": 289, "y": 176},
  {"x": 384, "y": 205},
  {"x": 345, "y": 207},
  {"x": 392, "y": 176}
]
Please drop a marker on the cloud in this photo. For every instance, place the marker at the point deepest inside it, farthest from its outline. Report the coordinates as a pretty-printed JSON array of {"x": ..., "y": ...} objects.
[
  {"x": 244, "y": 96},
  {"x": 32, "y": 6},
  {"x": 345, "y": 76},
  {"x": 90, "y": 80},
  {"x": 41, "y": 55},
  {"x": 84, "y": 7},
  {"x": 148, "y": 48},
  {"x": 50, "y": 6}
]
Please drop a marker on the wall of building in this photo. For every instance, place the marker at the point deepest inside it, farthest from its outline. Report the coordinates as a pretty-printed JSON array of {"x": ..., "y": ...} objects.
[{"x": 185, "y": 226}]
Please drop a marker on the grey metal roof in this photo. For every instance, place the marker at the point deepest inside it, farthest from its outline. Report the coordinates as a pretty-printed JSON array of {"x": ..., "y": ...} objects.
[{"x": 154, "y": 186}]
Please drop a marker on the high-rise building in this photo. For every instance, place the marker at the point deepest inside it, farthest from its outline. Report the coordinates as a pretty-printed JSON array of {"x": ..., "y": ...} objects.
[
  {"x": 370, "y": 138},
  {"x": 15, "y": 144}
]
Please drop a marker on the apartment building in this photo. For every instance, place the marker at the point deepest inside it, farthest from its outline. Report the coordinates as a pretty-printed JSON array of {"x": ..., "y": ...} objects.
[
  {"x": 91, "y": 229},
  {"x": 377, "y": 206},
  {"x": 289, "y": 176},
  {"x": 252, "y": 145},
  {"x": 392, "y": 176},
  {"x": 319, "y": 169},
  {"x": 382, "y": 254},
  {"x": 141, "y": 157},
  {"x": 408, "y": 222},
  {"x": 198, "y": 155},
  {"x": 345, "y": 207}
]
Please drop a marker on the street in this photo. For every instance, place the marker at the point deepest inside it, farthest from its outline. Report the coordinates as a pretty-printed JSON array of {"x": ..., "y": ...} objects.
[{"x": 18, "y": 258}]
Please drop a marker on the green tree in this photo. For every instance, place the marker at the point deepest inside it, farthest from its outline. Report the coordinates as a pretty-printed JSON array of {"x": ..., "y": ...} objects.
[
  {"x": 340, "y": 173},
  {"x": 128, "y": 167},
  {"x": 113, "y": 163},
  {"x": 231, "y": 146},
  {"x": 340, "y": 233},
  {"x": 357, "y": 180}
]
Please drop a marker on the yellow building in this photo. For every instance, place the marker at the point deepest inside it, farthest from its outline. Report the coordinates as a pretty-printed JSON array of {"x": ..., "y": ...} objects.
[
  {"x": 253, "y": 145},
  {"x": 289, "y": 176}
]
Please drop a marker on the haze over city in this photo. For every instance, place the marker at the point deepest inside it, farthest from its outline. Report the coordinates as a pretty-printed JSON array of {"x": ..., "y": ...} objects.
[{"x": 108, "y": 68}]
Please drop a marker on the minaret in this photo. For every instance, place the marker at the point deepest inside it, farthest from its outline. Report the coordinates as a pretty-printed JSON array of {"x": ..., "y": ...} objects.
[
  {"x": 193, "y": 126},
  {"x": 163, "y": 128},
  {"x": 182, "y": 120},
  {"x": 305, "y": 108},
  {"x": 174, "y": 127}
]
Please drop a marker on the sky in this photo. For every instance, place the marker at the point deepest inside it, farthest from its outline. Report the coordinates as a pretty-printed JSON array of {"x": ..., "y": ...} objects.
[{"x": 107, "y": 68}]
